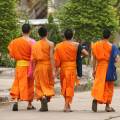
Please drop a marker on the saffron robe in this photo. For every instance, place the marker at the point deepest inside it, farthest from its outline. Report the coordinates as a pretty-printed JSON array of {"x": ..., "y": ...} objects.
[
  {"x": 65, "y": 58},
  {"x": 44, "y": 82},
  {"x": 102, "y": 90},
  {"x": 22, "y": 88}
]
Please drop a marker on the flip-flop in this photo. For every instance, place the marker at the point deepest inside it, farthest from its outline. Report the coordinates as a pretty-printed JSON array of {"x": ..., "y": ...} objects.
[
  {"x": 110, "y": 109},
  {"x": 15, "y": 107},
  {"x": 31, "y": 108},
  {"x": 44, "y": 105},
  {"x": 94, "y": 105},
  {"x": 68, "y": 110}
]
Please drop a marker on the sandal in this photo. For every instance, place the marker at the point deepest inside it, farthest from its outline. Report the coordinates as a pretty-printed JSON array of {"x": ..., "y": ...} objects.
[
  {"x": 94, "y": 105},
  {"x": 109, "y": 109},
  {"x": 15, "y": 107},
  {"x": 44, "y": 105},
  {"x": 67, "y": 109},
  {"x": 31, "y": 108}
]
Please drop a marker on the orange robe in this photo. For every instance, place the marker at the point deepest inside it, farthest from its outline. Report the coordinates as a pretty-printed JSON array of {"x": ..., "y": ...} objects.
[
  {"x": 44, "y": 82},
  {"x": 65, "y": 58},
  {"x": 102, "y": 90},
  {"x": 22, "y": 88}
]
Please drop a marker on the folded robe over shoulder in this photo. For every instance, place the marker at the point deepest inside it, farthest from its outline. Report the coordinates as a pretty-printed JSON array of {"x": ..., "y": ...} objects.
[
  {"x": 79, "y": 61},
  {"x": 111, "y": 72}
]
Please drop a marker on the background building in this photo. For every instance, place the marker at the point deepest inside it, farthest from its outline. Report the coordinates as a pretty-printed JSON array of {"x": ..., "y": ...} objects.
[
  {"x": 33, "y": 9},
  {"x": 54, "y": 5}
]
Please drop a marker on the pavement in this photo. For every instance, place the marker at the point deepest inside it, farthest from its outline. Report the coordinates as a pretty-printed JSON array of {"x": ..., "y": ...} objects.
[
  {"x": 81, "y": 107},
  {"x": 81, "y": 104},
  {"x": 7, "y": 77}
]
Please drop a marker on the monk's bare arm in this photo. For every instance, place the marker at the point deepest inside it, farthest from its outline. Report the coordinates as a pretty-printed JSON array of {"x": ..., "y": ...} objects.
[
  {"x": 52, "y": 56},
  {"x": 85, "y": 52},
  {"x": 76, "y": 44}
]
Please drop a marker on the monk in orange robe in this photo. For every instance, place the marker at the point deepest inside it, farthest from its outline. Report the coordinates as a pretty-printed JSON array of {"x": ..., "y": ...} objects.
[
  {"x": 23, "y": 86},
  {"x": 65, "y": 59},
  {"x": 102, "y": 90},
  {"x": 42, "y": 56}
]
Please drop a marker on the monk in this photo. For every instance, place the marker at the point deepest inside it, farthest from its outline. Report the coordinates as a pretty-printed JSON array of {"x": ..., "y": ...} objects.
[
  {"x": 65, "y": 59},
  {"x": 23, "y": 86},
  {"x": 81, "y": 53},
  {"x": 102, "y": 90},
  {"x": 42, "y": 56}
]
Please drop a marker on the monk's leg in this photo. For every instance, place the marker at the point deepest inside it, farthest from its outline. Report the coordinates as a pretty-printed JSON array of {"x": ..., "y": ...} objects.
[
  {"x": 94, "y": 105},
  {"x": 77, "y": 82},
  {"x": 66, "y": 104},
  {"x": 108, "y": 94},
  {"x": 30, "y": 106},
  {"x": 40, "y": 96},
  {"x": 44, "y": 104},
  {"x": 31, "y": 95},
  {"x": 15, "y": 105},
  {"x": 68, "y": 101},
  {"x": 109, "y": 109},
  {"x": 107, "y": 98},
  {"x": 15, "y": 92}
]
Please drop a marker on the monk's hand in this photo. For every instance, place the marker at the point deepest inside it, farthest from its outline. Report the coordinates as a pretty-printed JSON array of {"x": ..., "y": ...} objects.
[{"x": 93, "y": 74}]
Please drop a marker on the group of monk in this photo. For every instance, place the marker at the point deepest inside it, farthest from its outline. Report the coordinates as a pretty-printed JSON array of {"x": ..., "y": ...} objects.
[{"x": 39, "y": 63}]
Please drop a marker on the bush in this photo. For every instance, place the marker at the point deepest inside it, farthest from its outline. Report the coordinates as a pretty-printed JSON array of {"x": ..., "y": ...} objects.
[
  {"x": 53, "y": 30},
  {"x": 88, "y": 17},
  {"x": 9, "y": 28}
]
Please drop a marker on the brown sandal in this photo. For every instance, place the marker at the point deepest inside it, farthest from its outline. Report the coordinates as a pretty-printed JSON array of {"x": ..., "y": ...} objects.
[
  {"x": 109, "y": 109},
  {"x": 31, "y": 108},
  {"x": 94, "y": 105},
  {"x": 67, "y": 109}
]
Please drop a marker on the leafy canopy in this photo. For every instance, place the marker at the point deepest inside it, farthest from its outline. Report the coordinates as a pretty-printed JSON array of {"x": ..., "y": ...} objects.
[
  {"x": 8, "y": 26},
  {"x": 88, "y": 17}
]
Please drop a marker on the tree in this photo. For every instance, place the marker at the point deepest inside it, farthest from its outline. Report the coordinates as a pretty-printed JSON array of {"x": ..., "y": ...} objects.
[
  {"x": 88, "y": 17},
  {"x": 117, "y": 6},
  {"x": 8, "y": 26},
  {"x": 53, "y": 30}
]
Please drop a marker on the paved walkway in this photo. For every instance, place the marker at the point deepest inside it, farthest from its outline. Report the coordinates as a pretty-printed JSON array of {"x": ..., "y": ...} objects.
[
  {"x": 7, "y": 77},
  {"x": 81, "y": 104},
  {"x": 81, "y": 110}
]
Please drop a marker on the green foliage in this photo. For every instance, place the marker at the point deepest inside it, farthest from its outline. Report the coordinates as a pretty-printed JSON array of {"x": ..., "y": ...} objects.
[
  {"x": 7, "y": 61},
  {"x": 89, "y": 84},
  {"x": 53, "y": 30},
  {"x": 117, "y": 6},
  {"x": 34, "y": 33},
  {"x": 88, "y": 17},
  {"x": 8, "y": 26}
]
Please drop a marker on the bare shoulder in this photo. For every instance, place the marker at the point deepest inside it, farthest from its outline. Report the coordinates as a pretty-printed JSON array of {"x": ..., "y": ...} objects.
[
  {"x": 76, "y": 44},
  {"x": 110, "y": 43},
  {"x": 51, "y": 43}
]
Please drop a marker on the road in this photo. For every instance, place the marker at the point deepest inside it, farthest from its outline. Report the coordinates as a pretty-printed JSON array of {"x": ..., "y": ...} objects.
[{"x": 81, "y": 109}]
